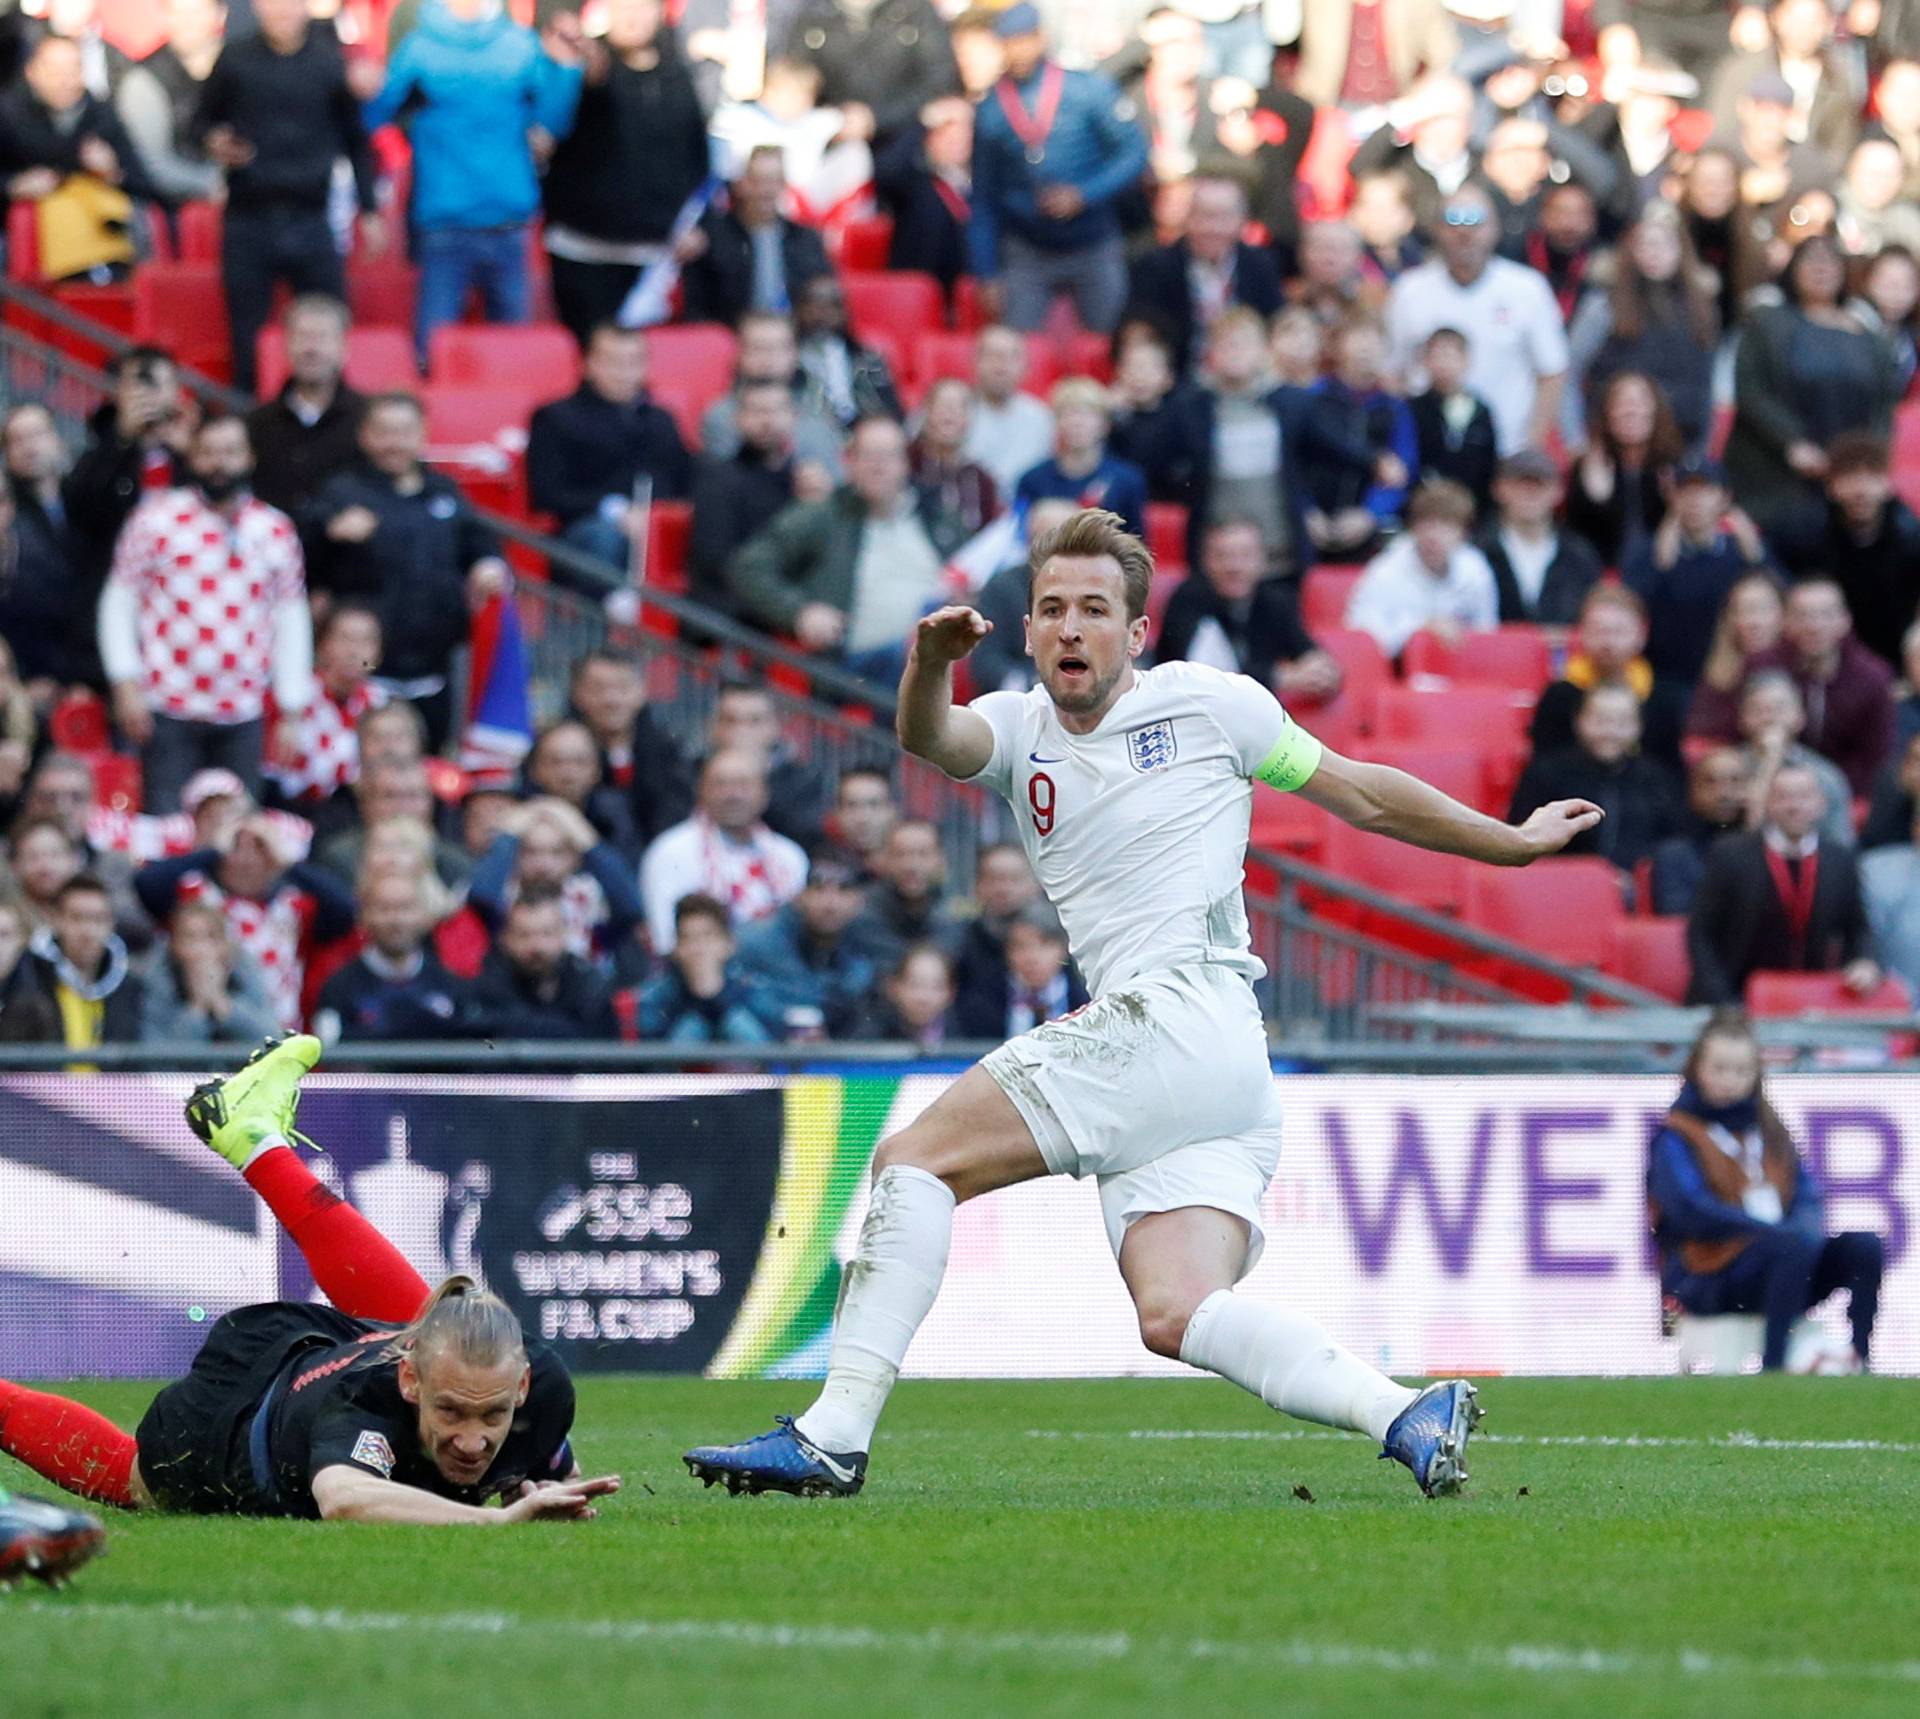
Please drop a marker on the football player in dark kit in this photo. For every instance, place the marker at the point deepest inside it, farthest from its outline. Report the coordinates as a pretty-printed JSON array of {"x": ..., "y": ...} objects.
[{"x": 397, "y": 1404}]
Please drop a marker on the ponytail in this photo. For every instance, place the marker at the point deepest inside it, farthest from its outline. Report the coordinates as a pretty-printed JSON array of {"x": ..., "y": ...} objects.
[{"x": 467, "y": 1321}]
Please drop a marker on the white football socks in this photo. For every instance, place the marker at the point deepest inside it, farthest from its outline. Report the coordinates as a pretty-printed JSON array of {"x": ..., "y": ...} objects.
[
  {"x": 889, "y": 1287},
  {"x": 1290, "y": 1364}
]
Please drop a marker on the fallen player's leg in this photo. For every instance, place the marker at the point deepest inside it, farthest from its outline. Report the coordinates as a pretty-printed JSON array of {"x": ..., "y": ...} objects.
[
  {"x": 69, "y": 1444},
  {"x": 248, "y": 1119}
]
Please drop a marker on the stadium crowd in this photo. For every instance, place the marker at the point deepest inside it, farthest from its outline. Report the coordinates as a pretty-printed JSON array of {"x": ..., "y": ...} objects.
[{"x": 1490, "y": 317}]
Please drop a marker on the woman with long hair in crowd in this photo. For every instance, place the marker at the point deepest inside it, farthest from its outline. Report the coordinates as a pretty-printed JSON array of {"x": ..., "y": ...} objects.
[
  {"x": 1652, "y": 308},
  {"x": 1750, "y": 623},
  {"x": 1616, "y": 492}
]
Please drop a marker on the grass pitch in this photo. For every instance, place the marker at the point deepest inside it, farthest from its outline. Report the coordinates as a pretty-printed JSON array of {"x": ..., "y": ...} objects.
[{"x": 1626, "y": 1548}]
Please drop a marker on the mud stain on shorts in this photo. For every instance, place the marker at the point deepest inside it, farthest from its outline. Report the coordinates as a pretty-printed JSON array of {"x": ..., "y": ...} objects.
[{"x": 1109, "y": 1031}]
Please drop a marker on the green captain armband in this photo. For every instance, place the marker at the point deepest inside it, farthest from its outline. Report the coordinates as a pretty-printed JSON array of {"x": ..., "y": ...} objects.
[{"x": 1293, "y": 760}]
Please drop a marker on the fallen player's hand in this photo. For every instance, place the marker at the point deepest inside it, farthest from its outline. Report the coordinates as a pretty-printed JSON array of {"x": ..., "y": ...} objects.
[
  {"x": 949, "y": 634},
  {"x": 1553, "y": 826},
  {"x": 561, "y": 1500}
]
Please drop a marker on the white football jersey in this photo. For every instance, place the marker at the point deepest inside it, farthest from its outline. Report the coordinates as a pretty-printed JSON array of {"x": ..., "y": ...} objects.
[{"x": 1138, "y": 831}]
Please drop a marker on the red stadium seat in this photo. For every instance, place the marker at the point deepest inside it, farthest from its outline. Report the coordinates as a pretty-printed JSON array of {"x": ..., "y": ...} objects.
[
  {"x": 1437, "y": 882},
  {"x": 1085, "y": 354},
  {"x": 1460, "y": 771},
  {"x": 866, "y": 243},
  {"x": 685, "y": 407},
  {"x": 377, "y": 359},
  {"x": 116, "y": 782},
  {"x": 468, "y": 417},
  {"x": 492, "y": 355},
  {"x": 1512, "y": 656},
  {"x": 940, "y": 355},
  {"x": 1167, "y": 533},
  {"x": 1804, "y": 993},
  {"x": 693, "y": 358},
  {"x": 382, "y": 291},
  {"x": 1287, "y": 824},
  {"x": 1906, "y": 453},
  {"x": 1652, "y": 953},
  {"x": 898, "y": 302},
  {"x": 668, "y": 529},
  {"x": 79, "y": 723},
  {"x": 23, "y": 242},
  {"x": 180, "y": 306},
  {"x": 1323, "y": 596},
  {"x": 1364, "y": 668},
  {"x": 1165, "y": 582},
  {"x": 968, "y": 313},
  {"x": 1567, "y": 909},
  {"x": 197, "y": 233},
  {"x": 1483, "y": 717}
]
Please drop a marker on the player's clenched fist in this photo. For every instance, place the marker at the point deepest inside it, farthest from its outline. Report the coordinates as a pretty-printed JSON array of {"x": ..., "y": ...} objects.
[{"x": 949, "y": 634}]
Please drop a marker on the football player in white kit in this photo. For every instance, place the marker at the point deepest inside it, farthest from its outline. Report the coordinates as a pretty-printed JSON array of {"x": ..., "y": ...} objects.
[{"x": 1133, "y": 790}]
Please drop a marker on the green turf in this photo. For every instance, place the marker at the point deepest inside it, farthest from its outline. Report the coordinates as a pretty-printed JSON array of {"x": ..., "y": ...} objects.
[{"x": 1020, "y": 1551}]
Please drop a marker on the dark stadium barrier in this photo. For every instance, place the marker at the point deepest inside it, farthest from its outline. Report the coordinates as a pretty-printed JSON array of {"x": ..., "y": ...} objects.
[{"x": 698, "y": 1222}]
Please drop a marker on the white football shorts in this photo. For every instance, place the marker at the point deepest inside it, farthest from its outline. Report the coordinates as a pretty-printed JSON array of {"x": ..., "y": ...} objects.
[{"x": 1162, "y": 1090}]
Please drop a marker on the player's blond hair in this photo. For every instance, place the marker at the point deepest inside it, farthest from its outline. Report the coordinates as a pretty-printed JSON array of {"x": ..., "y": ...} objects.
[
  {"x": 463, "y": 1320},
  {"x": 1093, "y": 532}
]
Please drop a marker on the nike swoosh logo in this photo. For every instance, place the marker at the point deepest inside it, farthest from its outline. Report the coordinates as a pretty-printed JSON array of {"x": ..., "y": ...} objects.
[{"x": 1035, "y": 758}]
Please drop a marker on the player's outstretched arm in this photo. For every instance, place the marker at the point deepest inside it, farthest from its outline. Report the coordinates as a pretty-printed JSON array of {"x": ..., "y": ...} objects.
[
  {"x": 929, "y": 723},
  {"x": 1388, "y": 802},
  {"x": 347, "y": 1494}
]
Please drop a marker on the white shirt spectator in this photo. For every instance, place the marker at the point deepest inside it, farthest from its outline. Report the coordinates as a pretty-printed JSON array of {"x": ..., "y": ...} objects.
[
  {"x": 754, "y": 877},
  {"x": 1515, "y": 335},
  {"x": 205, "y": 610},
  {"x": 1008, "y": 441},
  {"x": 1397, "y": 596}
]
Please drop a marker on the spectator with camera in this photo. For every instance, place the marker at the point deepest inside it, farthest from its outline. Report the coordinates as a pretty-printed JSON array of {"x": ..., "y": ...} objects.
[
  {"x": 137, "y": 441},
  {"x": 206, "y": 613}
]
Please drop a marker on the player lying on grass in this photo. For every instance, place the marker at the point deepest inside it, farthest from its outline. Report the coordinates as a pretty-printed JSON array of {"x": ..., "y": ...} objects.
[
  {"x": 396, "y": 1404},
  {"x": 1132, "y": 789}
]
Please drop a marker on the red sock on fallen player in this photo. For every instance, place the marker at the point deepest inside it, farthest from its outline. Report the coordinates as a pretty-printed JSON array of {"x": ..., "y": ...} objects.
[
  {"x": 362, "y": 1273},
  {"x": 67, "y": 1443}
]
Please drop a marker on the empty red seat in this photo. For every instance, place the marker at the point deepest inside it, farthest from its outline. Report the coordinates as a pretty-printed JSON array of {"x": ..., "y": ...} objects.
[
  {"x": 1652, "y": 953},
  {"x": 669, "y": 528},
  {"x": 469, "y": 417},
  {"x": 968, "y": 312},
  {"x": 1167, "y": 533},
  {"x": 487, "y": 355},
  {"x": 1364, "y": 670},
  {"x": 197, "y": 229},
  {"x": 1085, "y": 354},
  {"x": 939, "y": 355},
  {"x": 378, "y": 359},
  {"x": 1513, "y": 656},
  {"x": 180, "y": 306},
  {"x": 1906, "y": 453},
  {"x": 1479, "y": 717},
  {"x": 1287, "y": 824},
  {"x": 1323, "y": 596},
  {"x": 865, "y": 244},
  {"x": 1437, "y": 882},
  {"x": 381, "y": 291},
  {"x": 695, "y": 359},
  {"x": 899, "y": 302},
  {"x": 1567, "y": 909},
  {"x": 23, "y": 242},
  {"x": 1805, "y": 993},
  {"x": 1458, "y": 771},
  {"x": 78, "y": 723}
]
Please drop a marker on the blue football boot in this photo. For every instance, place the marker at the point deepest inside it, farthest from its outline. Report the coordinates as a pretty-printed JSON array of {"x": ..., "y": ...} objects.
[
  {"x": 780, "y": 1461},
  {"x": 1430, "y": 1436}
]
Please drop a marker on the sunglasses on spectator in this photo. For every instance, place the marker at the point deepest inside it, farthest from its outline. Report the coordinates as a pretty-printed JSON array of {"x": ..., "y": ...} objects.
[{"x": 1467, "y": 217}]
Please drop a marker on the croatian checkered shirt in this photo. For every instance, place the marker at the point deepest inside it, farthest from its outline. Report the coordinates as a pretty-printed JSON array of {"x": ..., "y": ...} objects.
[
  {"x": 207, "y": 587},
  {"x": 273, "y": 932},
  {"x": 328, "y": 757}
]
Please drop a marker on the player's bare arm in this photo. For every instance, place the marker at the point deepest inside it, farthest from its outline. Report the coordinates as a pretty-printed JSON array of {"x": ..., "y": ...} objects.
[
  {"x": 1387, "y": 802},
  {"x": 347, "y": 1494},
  {"x": 930, "y": 725}
]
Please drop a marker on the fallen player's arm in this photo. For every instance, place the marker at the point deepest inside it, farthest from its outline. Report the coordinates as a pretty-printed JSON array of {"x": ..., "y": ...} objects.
[
  {"x": 347, "y": 1494},
  {"x": 929, "y": 723},
  {"x": 1387, "y": 802}
]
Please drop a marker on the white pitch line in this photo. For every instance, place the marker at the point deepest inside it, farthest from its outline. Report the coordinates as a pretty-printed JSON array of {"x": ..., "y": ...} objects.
[
  {"x": 1601, "y": 1441},
  {"x": 1544, "y": 1659}
]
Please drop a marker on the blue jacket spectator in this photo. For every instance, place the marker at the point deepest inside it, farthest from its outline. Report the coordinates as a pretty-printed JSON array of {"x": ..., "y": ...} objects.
[
  {"x": 701, "y": 996},
  {"x": 396, "y": 988},
  {"x": 814, "y": 977},
  {"x": 1053, "y": 152},
  {"x": 1083, "y": 471},
  {"x": 1739, "y": 1221},
  {"x": 472, "y": 84}
]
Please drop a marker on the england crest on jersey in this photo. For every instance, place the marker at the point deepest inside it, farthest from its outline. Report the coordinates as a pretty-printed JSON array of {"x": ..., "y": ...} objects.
[{"x": 1153, "y": 747}]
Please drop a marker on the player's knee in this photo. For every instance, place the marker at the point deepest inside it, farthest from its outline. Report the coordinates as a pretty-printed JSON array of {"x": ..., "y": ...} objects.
[{"x": 1163, "y": 1325}]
